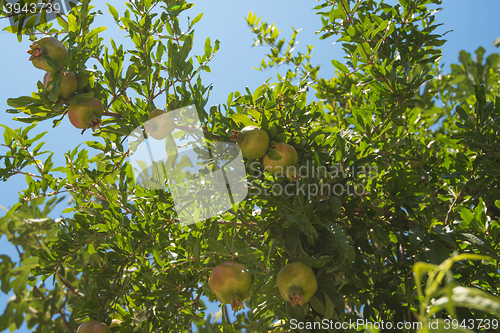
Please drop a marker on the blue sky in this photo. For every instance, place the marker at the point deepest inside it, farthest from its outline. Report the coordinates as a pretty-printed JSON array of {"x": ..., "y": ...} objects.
[{"x": 473, "y": 23}]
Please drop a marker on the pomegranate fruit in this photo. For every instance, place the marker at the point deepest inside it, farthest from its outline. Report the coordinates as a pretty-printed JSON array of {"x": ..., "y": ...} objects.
[
  {"x": 93, "y": 326},
  {"x": 69, "y": 83},
  {"x": 230, "y": 282},
  {"x": 85, "y": 113},
  {"x": 160, "y": 124},
  {"x": 282, "y": 159},
  {"x": 252, "y": 141},
  {"x": 48, "y": 46},
  {"x": 297, "y": 283}
]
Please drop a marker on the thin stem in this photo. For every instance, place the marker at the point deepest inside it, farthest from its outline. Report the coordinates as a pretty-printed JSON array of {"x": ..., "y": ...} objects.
[
  {"x": 446, "y": 221},
  {"x": 63, "y": 316},
  {"x": 226, "y": 314}
]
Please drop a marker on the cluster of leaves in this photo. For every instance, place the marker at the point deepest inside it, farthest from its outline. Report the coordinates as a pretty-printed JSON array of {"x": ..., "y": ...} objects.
[{"x": 388, "y": 177}]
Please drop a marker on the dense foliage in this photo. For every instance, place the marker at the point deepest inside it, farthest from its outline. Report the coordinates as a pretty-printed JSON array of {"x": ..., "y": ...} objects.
[{"x": 399, "y": 168}]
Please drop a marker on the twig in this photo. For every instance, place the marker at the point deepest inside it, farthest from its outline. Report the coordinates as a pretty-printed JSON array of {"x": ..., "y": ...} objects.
[
  {"x": 452, "y": 206},
  {"x": 226, "y": 314},
  {"x": 70, "y": 287},
  {"x": 112, "y": 114},
  {"x": 63, "y": 316}
]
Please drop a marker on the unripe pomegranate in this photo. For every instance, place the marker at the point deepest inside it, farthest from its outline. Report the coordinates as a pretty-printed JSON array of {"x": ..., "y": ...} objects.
[
  {"x": 51, "y": 47},
  {"x": 282, "y": 159},
  {"x": 69, "y": 84},
  {"x": 85, "y": 113},
  {"x": 252, "y": 141},
  {"x": 297, "y": 283},
  {"x": 160, "y": 125},
  {"x": 93, "y": 326},
  {"x": 230, "y": 282}
]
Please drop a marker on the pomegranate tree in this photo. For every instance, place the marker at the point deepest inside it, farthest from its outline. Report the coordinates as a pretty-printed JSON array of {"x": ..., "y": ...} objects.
[
  {"x": 297, "y": 283},
  {"x": 93, "y": 326},
  {"x": 282, "y": 159},
  {"x": 252, "y": 141},
  {"x": 69, "y": 83},
  {"x": 160, "y": 125},
  {"x": 230, "y": 282},
  {"x": 85, "y": 113},
  {"x": 48, "y": 46}
]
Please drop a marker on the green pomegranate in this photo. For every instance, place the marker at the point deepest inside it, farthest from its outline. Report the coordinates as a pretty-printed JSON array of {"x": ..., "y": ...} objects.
[
  {"x": 252, "y": 141},
  {"x": 48, "y": 46},
  {"x": 297, "y": 283},
  {"x": 85, "y": 113},
  {"x": 160, "y": 124},
  {"x": 282, "y": 159},
  {"x": 93, "y": 326},
  {"x": 230, "y": 282},
  {"x": 69, "y": 83}
]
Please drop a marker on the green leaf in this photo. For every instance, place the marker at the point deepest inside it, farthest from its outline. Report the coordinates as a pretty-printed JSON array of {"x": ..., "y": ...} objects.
[
  {"x": 156, "y": 255},
  {"x": 492, "y": 168},
  {"x": 113, "y": 11},
  {"x": 6, "y": 266},
  {"x": 216, "y": 46},
  {"x": 305, "y": 226},
  {"x": 73, "y": 26},
  {"x": 12, "y": 29},
  {"x": 217, "y": 247},
  {"x": 101, "y": 227},
  {"x": 249, "y": 254},
  {"x": 264, "y": 123},
  {"x": 329, "y": 307},
  {"x": 94, "y": 32},
  {"x": 476, "y": 299},
  {"x": 186, "y": 47},
  {"x": 21, "y": 274},
  {"x": 51, "y": 62},
  {"x": 9, "y": 134},
  {"x": 294, "y": 245},
  {"x": 481, "y": 243},
  {"x": 208, "y": 48},
  {"x": 341, "y": 241},
  {"x": 244, "y": 119},
  {"x": 273, "y": 153},
  {"x": 381, "y": 27},
  {"x": 90, "y": 249},
  {"x": 337, "y": 64},
  {"x": 196, "y": 19},
  {"x": 467, "y": 216},
  {"x": 20, "y": 102}
]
